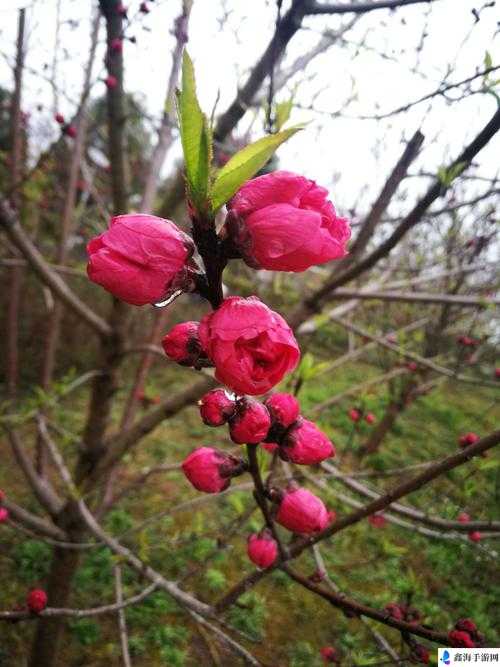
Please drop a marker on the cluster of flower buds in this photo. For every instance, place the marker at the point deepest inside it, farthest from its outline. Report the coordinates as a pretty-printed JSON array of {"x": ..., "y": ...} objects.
[
  {"x": 4, "y": 512},
  {"x": 496, "y": 373},
  {"x": 276, "y": 423},
  {"x": 36, "y": 600},
  {"x": 356, "y": 414},
  {"x": 412, "y": 366},
  {"x": 251, "y": 346},
  {"x": 474, "y": 535},
  {"x": 465, "y": 634}
]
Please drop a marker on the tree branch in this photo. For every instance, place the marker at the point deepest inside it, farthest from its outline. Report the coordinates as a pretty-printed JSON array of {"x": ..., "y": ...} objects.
[
  {"x": 360, "y": 7},
  {"x": 11, "y": 226}
]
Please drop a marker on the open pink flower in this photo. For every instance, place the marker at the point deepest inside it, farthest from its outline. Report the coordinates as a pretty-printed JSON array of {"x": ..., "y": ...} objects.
[
  {"x": 284, "y": 222},
  {"x": 262, "y": 549},
  {"x": 210, "y": 470},
  {"x": 305, "y": 444},
  {"x": 302, "y": 512},
  {"x": 251, "y": 346},
  {"x": 140, "y": 258}
]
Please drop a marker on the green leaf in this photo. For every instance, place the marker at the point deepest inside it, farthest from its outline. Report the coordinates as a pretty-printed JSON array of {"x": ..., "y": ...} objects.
[
  {"x": 282, "y": 113},
  {"x": 488, "y": 60},
  {"x": 245, "y": 164},
  {"x": 195, "y": 137}
]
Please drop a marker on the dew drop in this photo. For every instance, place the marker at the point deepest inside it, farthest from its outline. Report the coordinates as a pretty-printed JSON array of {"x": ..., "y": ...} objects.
[{"x": 168, "y": 300}]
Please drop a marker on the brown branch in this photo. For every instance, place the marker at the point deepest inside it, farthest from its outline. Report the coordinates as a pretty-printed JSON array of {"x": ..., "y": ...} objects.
[
  {"x": 42, "y": 489},
  {"x": 316, "y": 8},
  {"x": 411, "y": 512},
  {"x": 371, "y": 221},
  {"x": 80, "y": 613},
  {"x": 397, "y": 492},
  {"x": 117, "y": 445},
  {"x": 350, "y": 606},
  {"x": 32, "y": 522},
  {"x": 165, "y": 132},
  {"x": 16, "y": 274},
  {"x": 437, "y": 189},
  {"x": 422, "y": 361},
  {"x": 11, "y": 226},
  {"x": 122, "y": 623},
  {"x": 417, "y": 297},
  {"x": 288, "y": 26}
]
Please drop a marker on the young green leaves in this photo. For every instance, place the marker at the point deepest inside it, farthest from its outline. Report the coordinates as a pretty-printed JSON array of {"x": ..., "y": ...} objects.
[
  {"x": 245, "y": 164},
  {"x": 208, "y": 194},
  {"x": 195, "y": 137}
]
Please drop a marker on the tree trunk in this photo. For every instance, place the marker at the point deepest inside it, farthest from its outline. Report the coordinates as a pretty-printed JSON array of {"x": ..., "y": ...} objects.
[{"x": 47, "y": 640}]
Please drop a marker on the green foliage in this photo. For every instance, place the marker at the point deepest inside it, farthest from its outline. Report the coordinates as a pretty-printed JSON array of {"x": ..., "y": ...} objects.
[
  {"x": 96, "y": 571},
  {"x": 32, "y": 559},
  {"x": 86, "y": 631},
  {"x": 195, "y": 136},
  {"x": 282, "y": 113},
  {"x": 303, "y": 654},
  {"x": 245, "y": 164},
  {"x": 150, "y": 610},
  {"x": 447, "y": 175},
  {"x": 250, "y": 616},
  {"x": 165, "y": 638},
  {"x": 216, "y": 580}
]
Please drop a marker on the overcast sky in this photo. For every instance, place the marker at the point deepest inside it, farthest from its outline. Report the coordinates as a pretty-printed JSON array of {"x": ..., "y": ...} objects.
[{"x": 350, "y": 156}]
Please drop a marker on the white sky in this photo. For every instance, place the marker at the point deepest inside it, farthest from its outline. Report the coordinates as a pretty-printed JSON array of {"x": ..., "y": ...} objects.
[{"x": 352, "y": 157}]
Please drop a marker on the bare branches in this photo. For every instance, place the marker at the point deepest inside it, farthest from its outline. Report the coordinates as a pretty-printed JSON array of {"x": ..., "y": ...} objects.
[
  {"x": 119, "y": 444},
  {"x": 384, "y": 501},
  {"x": 55, "y": 612},
  {"x": 288, "y": 26},
  {"x": 411, "y": 220},
  {"x": 411, "y": 512},
  {"x": 352, "y": 607},
  {"x": 423, "y": 361},
  {"x": 315, "y": 7},
  {"x": 399, "y": 172},
  {"x": 418, "y": 297},
  {"x": 11, "y": 226},
  {"x": 122, "y": 623},
  {"x": 165, "y": 131}
]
